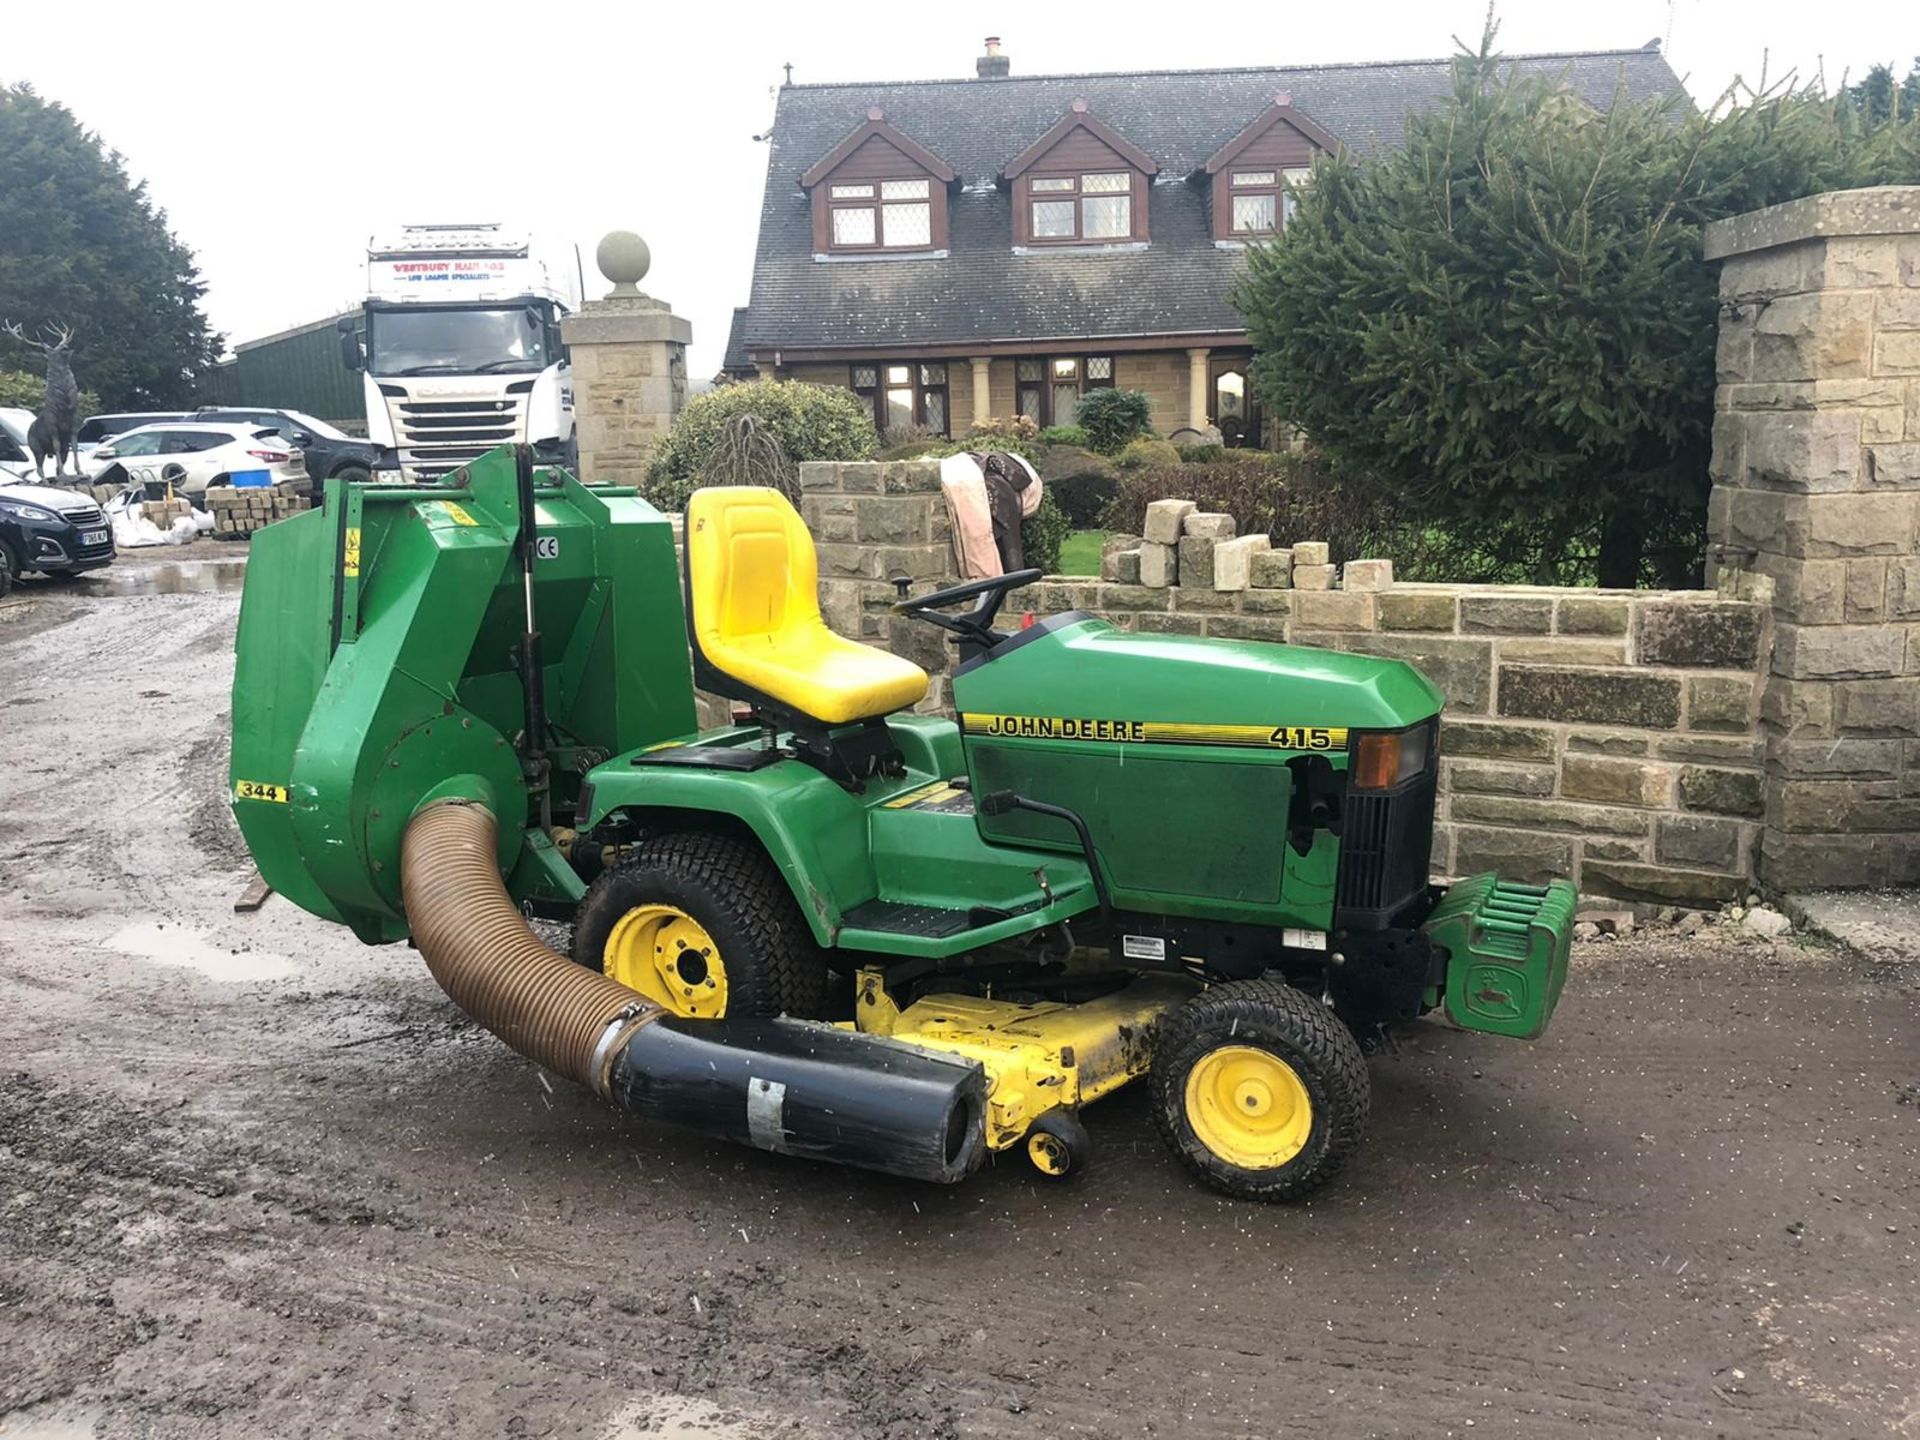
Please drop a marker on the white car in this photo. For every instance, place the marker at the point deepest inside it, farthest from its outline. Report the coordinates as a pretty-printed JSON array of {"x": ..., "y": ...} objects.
[
  {"x": 204, "y": 454},
  {"x": 97, "y": 430},
  {"x": 16, "y": 460}
]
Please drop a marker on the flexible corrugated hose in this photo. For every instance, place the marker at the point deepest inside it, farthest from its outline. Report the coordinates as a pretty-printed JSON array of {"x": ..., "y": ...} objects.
[
  {"x": 789, "y": 1085},
  {"x": 487, "y": 958}
]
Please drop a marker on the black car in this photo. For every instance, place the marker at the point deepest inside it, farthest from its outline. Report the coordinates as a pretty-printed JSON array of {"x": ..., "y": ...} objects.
[
  {"x": 329, "y": 452},
  {"x": 57, "y": 532}
]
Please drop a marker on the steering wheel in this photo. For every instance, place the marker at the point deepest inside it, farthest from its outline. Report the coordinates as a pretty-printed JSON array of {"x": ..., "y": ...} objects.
[{"x": 975, "y": 624}]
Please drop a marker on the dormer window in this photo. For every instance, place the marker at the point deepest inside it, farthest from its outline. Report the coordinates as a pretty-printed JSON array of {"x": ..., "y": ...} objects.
[
  {"x": 1253, "y": 174},
  {"x": 1082, "y": 207},
  {"x": 878, "y": 191},
  {"x": 1081, "y": 183}
]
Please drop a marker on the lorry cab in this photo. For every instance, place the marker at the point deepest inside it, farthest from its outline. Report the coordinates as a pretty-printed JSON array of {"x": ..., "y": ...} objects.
[{"x": 459, "y": 348}]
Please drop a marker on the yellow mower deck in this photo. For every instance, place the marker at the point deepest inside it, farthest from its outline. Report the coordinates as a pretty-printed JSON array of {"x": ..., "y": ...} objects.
[{"x": 1039, "y": 1058}]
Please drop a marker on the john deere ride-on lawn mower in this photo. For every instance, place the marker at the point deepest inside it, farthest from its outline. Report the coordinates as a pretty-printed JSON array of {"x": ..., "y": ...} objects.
[{"x": 838, "y": 929}]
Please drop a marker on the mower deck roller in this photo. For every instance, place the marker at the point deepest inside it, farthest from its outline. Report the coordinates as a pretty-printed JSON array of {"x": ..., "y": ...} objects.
[{"x": 798, "y": 1088}]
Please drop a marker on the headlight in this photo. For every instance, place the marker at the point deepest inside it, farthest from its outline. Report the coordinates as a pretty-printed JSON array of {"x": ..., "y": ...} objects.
[
  {"x": 26, "y": 512},
  {"x": 1382, "y": 761}
]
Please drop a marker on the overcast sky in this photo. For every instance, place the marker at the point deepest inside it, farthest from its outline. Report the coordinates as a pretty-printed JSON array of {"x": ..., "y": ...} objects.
[{"x": 278, "y": 136}]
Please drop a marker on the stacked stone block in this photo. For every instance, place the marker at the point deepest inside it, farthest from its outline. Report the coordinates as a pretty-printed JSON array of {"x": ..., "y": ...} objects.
[
  {"x": 1816, "y": 471},
  {"x": 239, "y": 511}
]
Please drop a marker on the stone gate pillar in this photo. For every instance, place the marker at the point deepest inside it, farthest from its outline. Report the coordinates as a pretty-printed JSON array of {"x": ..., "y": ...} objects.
[
  {"x": 629, "y": 367},
  {"x": 1816, "y": 483}
]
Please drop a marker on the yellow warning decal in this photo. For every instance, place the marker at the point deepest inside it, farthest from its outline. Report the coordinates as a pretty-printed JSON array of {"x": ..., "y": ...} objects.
[
  {"x": 923, "y": 797},
  {"x": 259, "y": 790},
  {"x": 458, "y": 512},
  {"x": 350, "y": 554},
  {"x": 1155, "y": 732}
]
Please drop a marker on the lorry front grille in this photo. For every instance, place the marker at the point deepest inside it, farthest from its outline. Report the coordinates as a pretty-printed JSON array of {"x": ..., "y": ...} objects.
[
  {"x": 1386, "y": 844},
  {"x": 436, "y": 436}
]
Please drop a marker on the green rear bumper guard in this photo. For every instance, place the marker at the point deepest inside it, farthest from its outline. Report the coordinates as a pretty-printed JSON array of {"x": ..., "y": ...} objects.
[{"x": 1507, "y": 947}]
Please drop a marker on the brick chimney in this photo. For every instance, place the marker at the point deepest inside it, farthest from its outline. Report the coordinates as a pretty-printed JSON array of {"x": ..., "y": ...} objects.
[{"x": 992, "y": 65}]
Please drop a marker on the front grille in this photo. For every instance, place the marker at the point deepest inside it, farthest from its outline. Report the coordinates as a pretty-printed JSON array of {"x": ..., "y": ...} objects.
[
  {"x": 87, "y": 517},
  {"x": 1386, "y": 841},
  {"x": 436, "y": 436}
]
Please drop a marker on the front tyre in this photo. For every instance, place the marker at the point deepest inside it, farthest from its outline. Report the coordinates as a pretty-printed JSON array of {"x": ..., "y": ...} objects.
[
  {"x": 704, "y": 926},
  {"x": 1259, "y": 1089}
]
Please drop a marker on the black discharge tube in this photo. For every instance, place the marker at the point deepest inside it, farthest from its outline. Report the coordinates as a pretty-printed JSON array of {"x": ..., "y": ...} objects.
[{"x": 809, "y": 1090}]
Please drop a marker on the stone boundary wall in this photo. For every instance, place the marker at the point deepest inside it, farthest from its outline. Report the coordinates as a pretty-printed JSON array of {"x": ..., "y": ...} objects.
[{"x": 1607, "y": 736}]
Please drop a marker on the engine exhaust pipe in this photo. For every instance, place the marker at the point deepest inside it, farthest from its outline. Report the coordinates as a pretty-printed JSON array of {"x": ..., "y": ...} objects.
[{"x": 792, "y": 1086}]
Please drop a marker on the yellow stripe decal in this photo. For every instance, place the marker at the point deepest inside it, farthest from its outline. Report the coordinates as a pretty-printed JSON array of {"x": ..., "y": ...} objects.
[
  {"x": 458, "y": 512},
  {"x": 1155, "y": 732},
  {"x": 259, "y": 790}
]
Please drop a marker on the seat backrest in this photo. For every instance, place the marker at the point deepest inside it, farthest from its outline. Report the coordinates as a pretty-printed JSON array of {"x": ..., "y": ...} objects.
[{"x": 751, "y": 569}]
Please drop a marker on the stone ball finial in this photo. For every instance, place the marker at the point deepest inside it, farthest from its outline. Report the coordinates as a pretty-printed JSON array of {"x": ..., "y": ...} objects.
[{"x": 623, "y": 257}]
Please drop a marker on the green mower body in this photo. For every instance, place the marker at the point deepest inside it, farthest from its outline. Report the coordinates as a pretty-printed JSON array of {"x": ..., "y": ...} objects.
[{"x": 1107, "y": 802}]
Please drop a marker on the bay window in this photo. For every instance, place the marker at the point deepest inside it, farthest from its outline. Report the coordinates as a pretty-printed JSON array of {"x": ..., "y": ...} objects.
[{"x": 904, "y": 394}]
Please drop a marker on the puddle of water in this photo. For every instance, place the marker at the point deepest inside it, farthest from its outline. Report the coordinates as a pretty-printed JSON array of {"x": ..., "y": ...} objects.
[
  {"x": 175, "y": 577},
  {"x": 177, "y": 945},
  {"x": 674, "y": 1417},
  {"x": 67, "y": 1426}
]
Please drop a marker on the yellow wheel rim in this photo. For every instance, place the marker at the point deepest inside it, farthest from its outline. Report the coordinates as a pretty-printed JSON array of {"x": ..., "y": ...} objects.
[
  {"x": 1249, "y": 1107},
  {"x": 1049, "y": 1153},
  {"x": 667, "y": 956}
]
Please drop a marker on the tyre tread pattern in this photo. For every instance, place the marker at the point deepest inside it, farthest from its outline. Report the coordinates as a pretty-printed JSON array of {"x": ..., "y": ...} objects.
[
  {"x": 1253, "y": 1012},
  {"x": 779, "y": 971}
]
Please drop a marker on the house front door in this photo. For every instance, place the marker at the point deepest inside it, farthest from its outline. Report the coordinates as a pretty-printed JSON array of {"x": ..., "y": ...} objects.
[{"x": 1230, "y": 403}]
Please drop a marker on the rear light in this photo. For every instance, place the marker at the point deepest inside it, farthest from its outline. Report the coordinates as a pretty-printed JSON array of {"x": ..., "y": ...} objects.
[
  {"x": 1026, "y": 621},
  {"x": 272, "y": 457},
  {"x": 1382, "y": 761}
]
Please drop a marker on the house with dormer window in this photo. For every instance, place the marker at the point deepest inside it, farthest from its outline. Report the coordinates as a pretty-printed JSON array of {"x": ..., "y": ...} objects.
[{"x": 957, "y": 250}]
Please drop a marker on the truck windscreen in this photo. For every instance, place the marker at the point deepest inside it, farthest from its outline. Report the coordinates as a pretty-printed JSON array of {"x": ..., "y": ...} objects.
[{"x": 432, "y": 341}]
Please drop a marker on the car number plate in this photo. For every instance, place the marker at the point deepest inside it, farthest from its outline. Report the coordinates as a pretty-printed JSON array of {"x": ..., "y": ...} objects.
[{"x": 93, "y": 537}]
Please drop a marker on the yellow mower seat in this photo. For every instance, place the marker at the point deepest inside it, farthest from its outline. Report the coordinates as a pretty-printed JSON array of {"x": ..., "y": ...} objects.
[{"x": 754, "y": 609}]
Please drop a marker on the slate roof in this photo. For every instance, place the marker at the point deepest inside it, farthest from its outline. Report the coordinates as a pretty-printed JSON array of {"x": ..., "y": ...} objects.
[
  {"x": 982, "y": 291},
  {"x": 736, "y": 360}
]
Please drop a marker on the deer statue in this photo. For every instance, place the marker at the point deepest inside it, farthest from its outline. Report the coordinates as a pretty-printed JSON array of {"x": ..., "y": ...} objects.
[{"x": 51, "y": 434}]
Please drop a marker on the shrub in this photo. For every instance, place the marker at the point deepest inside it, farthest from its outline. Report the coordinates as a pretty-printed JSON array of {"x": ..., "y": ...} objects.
[
  {"x": 1148, "y": 451},
  {"x": 1065, "y": 435},
  {"x": 1084, "y": 496},
  {"x": 1113, "y": 417},
  {"x": 1201, "y": 454},
  {"x": 1041, "y": 534},
  {"x": 1285, "y": 496},
  {"x": 810, "y": 422}
]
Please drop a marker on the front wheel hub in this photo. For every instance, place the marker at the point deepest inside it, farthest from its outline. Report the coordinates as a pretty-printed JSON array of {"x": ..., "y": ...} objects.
[
  {"x": 1249, "y": 1107},
  {"x": 669, "y": 957}
]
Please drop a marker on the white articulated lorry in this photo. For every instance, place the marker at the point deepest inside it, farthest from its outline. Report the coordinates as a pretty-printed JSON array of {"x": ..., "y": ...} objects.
[{"x": 459, "y": 347}]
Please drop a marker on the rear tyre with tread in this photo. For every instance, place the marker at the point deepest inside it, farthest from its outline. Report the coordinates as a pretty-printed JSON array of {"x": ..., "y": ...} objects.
[
  {"x": 1259, "y": 1089},
  {"x": 730, "y": 890}
]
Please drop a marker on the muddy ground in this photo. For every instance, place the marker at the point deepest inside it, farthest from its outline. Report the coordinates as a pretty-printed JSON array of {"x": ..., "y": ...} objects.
[{"x": 258, "y": 1180}]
